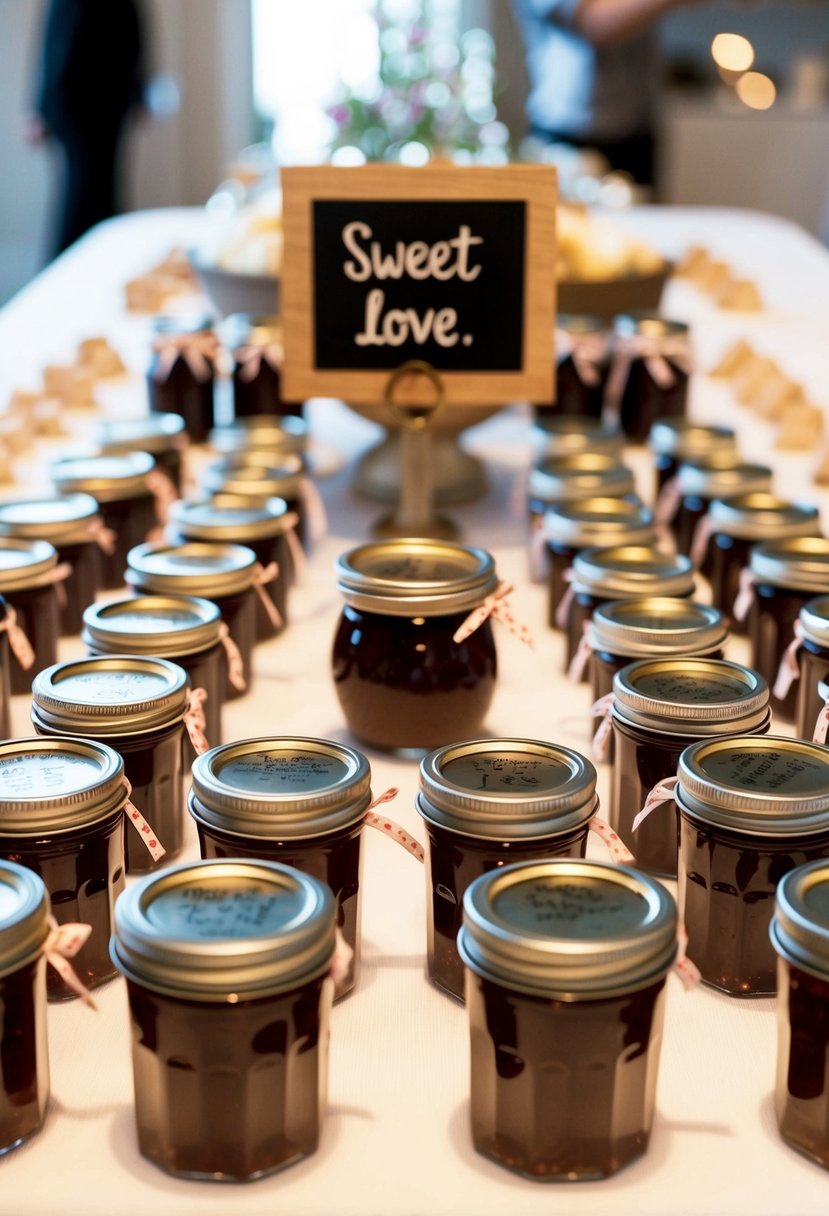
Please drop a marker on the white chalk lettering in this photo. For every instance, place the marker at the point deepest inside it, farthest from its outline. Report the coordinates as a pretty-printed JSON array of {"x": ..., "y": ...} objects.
[
  {"x": 417, "y": 260},
  {"x": 399, "y": 324}
]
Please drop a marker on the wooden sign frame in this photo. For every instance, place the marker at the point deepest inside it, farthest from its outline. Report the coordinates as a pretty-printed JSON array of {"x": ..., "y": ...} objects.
[{"x": 532, "y": 186}]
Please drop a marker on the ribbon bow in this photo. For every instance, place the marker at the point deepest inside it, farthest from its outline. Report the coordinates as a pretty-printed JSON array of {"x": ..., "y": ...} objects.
[
  {"x": 661, "y": 356},
  {"x": 586, "y": 350},
  {"x": 62, "y": 943},
  {"x": 789, "y": 669},
  {"x": 152, "y": 844},
  {"x": 20, "y": 645},
  {"x": 391, "y": 829},
  {"x": 262, "y": 575},
  {"x": 195, "y": 721},
  {"x": 495, "y": 605},
  {"x": 663, "y": 791},
  {"x": 601, "y": 709},
  {"x": 250, "y": 358},
  {"x": 198, "y": 351}
]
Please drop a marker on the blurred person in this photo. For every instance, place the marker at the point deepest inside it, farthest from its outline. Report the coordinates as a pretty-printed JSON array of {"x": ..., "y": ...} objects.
[{"x": 90, "y": 82}]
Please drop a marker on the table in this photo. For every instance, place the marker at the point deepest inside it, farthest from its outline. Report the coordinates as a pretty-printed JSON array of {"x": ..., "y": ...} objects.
[{"x": 395, "y": 1137}]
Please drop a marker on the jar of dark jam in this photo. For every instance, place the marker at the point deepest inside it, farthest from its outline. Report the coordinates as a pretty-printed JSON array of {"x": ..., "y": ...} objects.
[
  {"x": 227, "y": 966},
  {"x": 733, "y": 525},
  {"x": 786, "y": 574},
  {"x": 650, "y": 372},
  {"x": 486, "y": 803},
  {"x": 588, "y": 524},
  {"x": 570, "y": 434},
  {"x": 221, "y": 573},
  {"x": 299, "y": 801},
  {"x": 73, "y": 525},
  {"x": 256, "y": 342},
  {"x": 120, "y": 486},
  {"x": 565, "y": 974},
  {"x": 181, "y": 375},
  {"x": 615, "y": 573},
  {"x": 565, "y": 479},
  {"x": 183, "y": 628},
  {"x": 254, "y": 475},
  {"x": 750, "y": 810},
  {"x": 675, "y": 441},
  {"x": 24, "y": 1050},
  {"x": 5, "y": 671},
  {"x": 162, "y": 435},
  {"x": 660, "y": 707},
  {"x": 800, "y": 936},
  {"x": 262, "y": 527},
  {"x": 700, "y": 482},
  {"x": 813, "y": 664},
  {"x": 582, "y": 351},
  {"x": 261, "y": 436},
  {"x": 404, "y": 683},
  {"x": 62, "y": 815},
  {"x": 28, "y": 574}
]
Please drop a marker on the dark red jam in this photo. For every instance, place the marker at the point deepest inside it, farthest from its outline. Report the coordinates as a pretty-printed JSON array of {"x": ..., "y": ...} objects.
[
  {"x": 181, "y": 375},
  {"x": 38, "y": 615},
  {"x": 24, "y": 1061},
  {"x": 802, "y": 1093}
]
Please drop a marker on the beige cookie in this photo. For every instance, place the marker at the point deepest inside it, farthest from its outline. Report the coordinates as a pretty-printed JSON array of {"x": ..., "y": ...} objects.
[{"x": 733, "y": 360}]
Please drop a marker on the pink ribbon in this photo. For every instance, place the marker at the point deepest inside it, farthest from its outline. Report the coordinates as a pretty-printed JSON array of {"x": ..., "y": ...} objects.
[
  {"x": 342, "y": 958},
  {"x": 821, "y": 725},
  {"x": 58, "y": 576},
  {"x": 563, "y": 607},
  {"x": 262, "y": 575},
  {"x": 789, "y": 669},
  {"x": 494, "y": 606},
  {"x": 163, "y": 491},
  {"x": 62, "y": 943},
  {"x": 295, "y": 548},
  {"x": 391, "y": 829},
  {"x": 538, "y": 541},
  {"x": 198, "y": 351},
  {"x": 250, "y": 358},
  {"x": 103, "y": 536},
  {"x": 601, "y": 709},
  {"x": 656, "y": 353},
  {"x": 20, "y": 645},
  {"x": 745, "y": 595},
  {"x": 663, "y": 791},
  {"x": 235, "y": 664},
  {"x": 701, "y": 537},
  {"x": 667, "y": 502},
  {"x": 586, "y": 350},
  {"x": 195, "y": 722},
  {"x": 687, "y": 971},
  {"x": 314, "y": 509},
  {"x": 616, "y": 847},
  {"x": 151, "y": 842},
  {"x": 582, "y": 656}
]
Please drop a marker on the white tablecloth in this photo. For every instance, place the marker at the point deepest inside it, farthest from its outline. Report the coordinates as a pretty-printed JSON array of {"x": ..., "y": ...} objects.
[{"x": 395, "y": 1137}]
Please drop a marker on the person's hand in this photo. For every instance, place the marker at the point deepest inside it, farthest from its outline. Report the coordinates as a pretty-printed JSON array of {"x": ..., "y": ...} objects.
[{"x": 35, "y": 130}]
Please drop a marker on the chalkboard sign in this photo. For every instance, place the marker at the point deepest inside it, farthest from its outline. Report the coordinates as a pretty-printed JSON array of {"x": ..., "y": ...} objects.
[{"x": 451, "y": 266}]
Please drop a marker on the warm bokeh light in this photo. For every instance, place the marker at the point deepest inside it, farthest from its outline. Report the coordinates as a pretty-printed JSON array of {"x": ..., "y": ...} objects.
[
  {"x": 756, "y": 91},
  {"x": 732, "y": 52}
]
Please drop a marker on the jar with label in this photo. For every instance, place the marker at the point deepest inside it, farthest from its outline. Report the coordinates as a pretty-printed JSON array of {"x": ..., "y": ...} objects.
[
  {"x": 299, "y": 801},
  {"x": 254, "y": 475},
  {"x": 403, "y": 680},
  {"x": 675, "y": 441},
  {"x": 29, "y": 574},
  {"x": 660, "y": 707},
  {"x": 62, "y": 815},
  {"x": 589, "y": 523},
  {"x": 162, "y": 435},
  {"x": 486, "y": 803},
  {"x": 136, "y": 706},
  {"x": 181, "y": 375},
  {"x": 650, "y": 371},
  {"x": 222, "y": 573},
  {"x": 570, "y": 434},
  {"x": 5, "y": 676},
  {"x": 785, "y": 575},
  {"x": 566, "y": 479},
  {"x": 73, "y": 525},
  {"x": 582, "y": 352},
  {"x": 266, "y": 435},
  {"x": 566, "y": 963},
  {"x": 256, "y": 342},
  {"x": 732, "y": 526},
  {"x": 24, "y": 1050},
  {"x": 811, "y": 663},
  {"x": 121, "y": 487},
  {"x": 800, "y": 936},
  {"x": 183, "y": 628},
  {"x": 699, "y": 483},
  {"x": 227, "y": 966},
  {"x": 750, "y": 809}
]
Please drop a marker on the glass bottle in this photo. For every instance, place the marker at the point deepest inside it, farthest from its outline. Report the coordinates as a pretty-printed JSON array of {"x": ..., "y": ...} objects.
[
  {"x": 28, "y": 570},
  {"x": 650, "y": 372}
]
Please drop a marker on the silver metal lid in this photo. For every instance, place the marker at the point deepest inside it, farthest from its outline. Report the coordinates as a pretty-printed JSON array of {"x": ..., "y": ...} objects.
[
  {"x": 762, "y": 785},
  {"x": 799, "y": 929},
  {"x": 569, "y": 929},
  {"x": 224, "y": 930},
  {"x": 760, "y": 515},
  {"x": 162, "y": 625},
  {"x": 590, "y": 522},
  {"x": 628, "y": 571},
  {"x": 251, "y": 329},
  {"x": 799, "y": 564},
  {"x": 229, "y": 518},
  {"x": 415, "y": 577},
  {"x": 65, "y": 519},
  {"x": 54, "y": 785},
  {"x": 24, "y": 916},
  {"x": 569, "y": 434},
  {"x": 195, "y": 568},
  {"x": 106, "y": 478},
  {"x": 584, "y": 475},
  {"x": 264, "y": 433},
  {"x": 685, "y": 439},
  {"x": 280, "y": 787},
  {"x": 507, "y": 789},
  {"x": 154, "y": 433},
  {"x": 25, "y": 563},
  {"x": 646, "y": 324},
  {"x": 657, "y": 627},
  {"x": 106, "y": 695},
  {"x": 721, "y": 480},
  {"x": 814, "y": 620},
  {"x": 690, "y": 696},
  {"x": 252, "y": 474}
]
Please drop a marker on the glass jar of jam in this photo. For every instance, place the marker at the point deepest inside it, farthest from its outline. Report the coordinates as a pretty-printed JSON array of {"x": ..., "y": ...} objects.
[
  {"x": 256, "y": 343},
  {"x": 5, "y": 671},
  {"x": 62, "y": 815},
  {"x": 582, "y": 351},
  {"x": 565, "y": 974},
  {"x": 28, "y": 573},
  {"x": 254, "y": 475},
  {"x": 800, "y": 936},
  {"x": 486, "y": 803},
  {"x": 298, "y": 801},
  {"x": 786, "y": 574},
  {"x": 24, "y": 1050},
  {"x": 570, "y": 434},
  {"x": 221, "y": 573},
  {"x": 699, "y": 483},
  {"x": 589, "y": 523},
  {"x": 136, "y": 706},
  {"x": 404, "y": 683},
  {"x": 183, "y": 628},
  {"x": 181, "y": 375},
  {"x": 813, "y": 664},
  {"x": 73, "y": 525},
  {"x": 263, "y": 434},
  {"x": 162, "y": 435},
  {"x": 660, "y": 707},
  {"x": 227, "y": 966},
  {"x": 732, "y": 526},
  {"x": 675, "y": 441},
  {"x": 750, "y": 809},
  {"x": 650, "y": 372},
  {"x": 565, "y": 479},
  {"x": 120, "y": 486}
]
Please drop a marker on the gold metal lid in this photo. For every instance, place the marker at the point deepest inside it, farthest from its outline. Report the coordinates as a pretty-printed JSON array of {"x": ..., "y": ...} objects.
[
  {"x": 224, "y": 930},
  {"x": 761, "y": 515},
  {"x": 194, "y": 568},
  {"x": 581, "y": 475},
  {"x": 255, "y": 475},
  {"x": 279, "y": 787},
  {"x": 251, "y": 329},
  {"x": 568, "y": 929},
  {"x": 762, "y": 785},
  {"x": 591, "y": 522},
  {"x": 800, "y": 563},
  {"x": 154, "y": 433},
  {"x": 415, "y": 577},
  {"x": 24, "y": 916},
  {"x": 569, "y": 434},
  {"x": 106, "y": 478},
  {"x": 64, "y": 519},
  {"x": 690, "y": 696},
  {"x": 684, "y": 439},
  {"x": 264, "y": 433},
  {"x": 51, "y": 785},
  {"x": 228, "y": 518},
  {"x": 25, "y": 563},
  {"x": 722, "y": 480},
  {"x": 581, "y": 323},
  {"x": 182, "y": 323},
  {"x": 799, "y": 929},
  {"x": 162, "y": 625},
  {"x": 106, "y": 695},
  {"x": 814, "y": 620},
  {"x": 507, "y": 789},
  {"x": 646, "y": 324},
  {"x": 628, "y": 571},
  {"x": 656, "y": 627}
]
